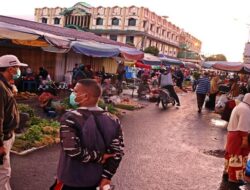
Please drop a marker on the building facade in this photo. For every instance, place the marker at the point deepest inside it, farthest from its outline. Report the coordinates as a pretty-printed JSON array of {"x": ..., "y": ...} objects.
[{"x": 137, "y": 26}]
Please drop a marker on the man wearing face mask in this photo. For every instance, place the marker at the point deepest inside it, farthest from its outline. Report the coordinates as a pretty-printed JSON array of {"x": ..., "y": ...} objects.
[
  {"x": 9, "y": 115},
  {"x": 91, "y": 142}
]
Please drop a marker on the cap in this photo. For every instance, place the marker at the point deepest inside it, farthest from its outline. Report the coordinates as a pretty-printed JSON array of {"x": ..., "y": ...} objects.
[{"x": 10, "y": 61}]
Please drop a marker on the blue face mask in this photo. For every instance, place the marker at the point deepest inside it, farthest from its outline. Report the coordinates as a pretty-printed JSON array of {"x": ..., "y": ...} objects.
[
  {"x": 17, "y": 75},
  {"x": 72, "y": 98}
]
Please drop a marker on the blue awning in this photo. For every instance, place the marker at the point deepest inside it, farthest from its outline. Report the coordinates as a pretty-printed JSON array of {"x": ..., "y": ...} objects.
[
  {"x": 208, "y": 64},
  {"x": 94, "y": 49},
  {"x": 151, "y": 59},
  {"x": 169, "y": 61}
]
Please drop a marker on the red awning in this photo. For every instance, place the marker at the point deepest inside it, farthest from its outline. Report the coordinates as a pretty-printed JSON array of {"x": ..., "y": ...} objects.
[
  {"x": 141, "y": 65},
  {"x": 228, "y": 66}
]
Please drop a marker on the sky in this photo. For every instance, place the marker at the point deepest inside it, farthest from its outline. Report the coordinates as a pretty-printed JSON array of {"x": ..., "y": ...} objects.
[{"x": 222, "y": 25}]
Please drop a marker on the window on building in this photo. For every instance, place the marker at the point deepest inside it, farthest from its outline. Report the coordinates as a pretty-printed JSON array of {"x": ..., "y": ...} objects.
[
  {"x": 163, "y": 33},
  {"x": 115, "y": 21},
  {"x": 44, "y": 20},
  {"x": 130, "y": 39},
  {"x": 132, "y": 22},
  {"x": 56, "y": 20},
  {"x": 168, "y": 34},
  {"x": 99, "y": 21},
  {"x": 157, "y": 30},
  {"x": 113, "y": 37},
  {"x": 144, "y": 24},
  {"x": 151, "y": 27},
  {"x": 162, "y": 48}
]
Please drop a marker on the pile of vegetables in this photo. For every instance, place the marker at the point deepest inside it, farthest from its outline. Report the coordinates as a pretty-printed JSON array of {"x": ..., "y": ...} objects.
[{"x": 40, "y": 132}]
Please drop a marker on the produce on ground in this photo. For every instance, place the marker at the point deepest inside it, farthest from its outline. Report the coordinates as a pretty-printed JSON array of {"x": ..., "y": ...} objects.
[
  {"x": 41, "y": 132},
  {"x": 25, "y": 95}
]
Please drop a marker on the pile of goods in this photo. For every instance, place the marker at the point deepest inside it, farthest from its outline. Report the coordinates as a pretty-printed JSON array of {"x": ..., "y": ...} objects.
[
  {"x": 25, "y": 95},
  {"x": 37, "y": 133},
  {"x": 128, "y": 104}
]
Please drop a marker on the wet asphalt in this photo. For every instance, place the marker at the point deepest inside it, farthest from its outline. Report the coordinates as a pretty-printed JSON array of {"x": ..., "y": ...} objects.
[{"x": 173, "y": 149}]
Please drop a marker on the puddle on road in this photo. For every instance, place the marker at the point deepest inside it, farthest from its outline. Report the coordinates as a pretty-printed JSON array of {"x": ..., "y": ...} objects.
[
  {"x": 219, "y": 122},
  {"x": 216, "y": 153}
]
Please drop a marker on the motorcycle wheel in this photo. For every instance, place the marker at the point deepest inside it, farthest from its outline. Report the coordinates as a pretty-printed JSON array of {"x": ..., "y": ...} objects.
[{"x": 164, "y": 104}]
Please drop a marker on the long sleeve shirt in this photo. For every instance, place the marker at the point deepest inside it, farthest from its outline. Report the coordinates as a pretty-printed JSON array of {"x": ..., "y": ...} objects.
[
  {"x": 9, "y": 115},
  {"x": 87, "y": 135}
]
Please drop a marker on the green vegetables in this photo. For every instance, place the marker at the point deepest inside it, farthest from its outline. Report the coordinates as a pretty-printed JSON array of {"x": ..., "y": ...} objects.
[
  {"x": 109, "y": 107},
  {"x": 26, "y": 109},
  {"x": 40, "y": 132}
]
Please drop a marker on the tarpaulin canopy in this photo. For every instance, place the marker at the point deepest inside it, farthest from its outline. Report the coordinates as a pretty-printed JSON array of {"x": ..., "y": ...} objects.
[
  {"x": 53, "y": 49},
  {"x": 131, "y": 53},
  {"x": 191, "y": 65},
  {"x": 228, "y": 66},
  {"x": 151, "y": 59},
  {"x": 141, "y": 65},
  {"x": 170, "y": 61},
  {"x": 208, "y": 64},
  {"x": 10, "y": 31},
  {"x": 33, "y": 43},
  {"x": 57, "y": 41},
  {"x": 94, "y": 49},
  {"x": 247, "y": 68}
]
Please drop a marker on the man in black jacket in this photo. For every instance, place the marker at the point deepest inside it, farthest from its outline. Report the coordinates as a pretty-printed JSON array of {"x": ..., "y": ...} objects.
[
  {"x": 9, "y": 116},
  {"x": 92, "y": 142}
]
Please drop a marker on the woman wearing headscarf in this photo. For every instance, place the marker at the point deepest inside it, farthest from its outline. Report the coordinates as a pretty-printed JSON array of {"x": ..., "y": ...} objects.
[{"x": 237, "y": 146}]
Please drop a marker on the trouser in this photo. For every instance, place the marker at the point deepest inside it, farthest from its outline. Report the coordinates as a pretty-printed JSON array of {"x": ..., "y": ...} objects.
[
  {"x": 5, "y": 170},
  {"x": 200, "y": 100},
  {"x": 212, "y": 100},
  {"x": 172, "y": 93},
  {"x": 60, "y": 186},
  {"x": 179, "y": 84}
]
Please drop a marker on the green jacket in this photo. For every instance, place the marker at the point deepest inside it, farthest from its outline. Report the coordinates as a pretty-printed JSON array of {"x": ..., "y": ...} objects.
[{"x": 9, "y": 115}]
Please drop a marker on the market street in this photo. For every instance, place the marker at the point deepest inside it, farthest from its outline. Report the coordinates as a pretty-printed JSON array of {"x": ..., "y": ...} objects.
[{"x": 164, "y": 150}]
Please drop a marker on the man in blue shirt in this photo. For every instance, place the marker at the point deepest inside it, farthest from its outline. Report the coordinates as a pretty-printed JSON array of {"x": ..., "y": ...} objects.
[{"x": 202, "y": 89}]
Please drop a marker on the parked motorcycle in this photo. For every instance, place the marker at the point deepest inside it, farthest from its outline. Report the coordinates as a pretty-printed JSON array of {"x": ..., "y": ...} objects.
[{"x": 165, "y": 98}]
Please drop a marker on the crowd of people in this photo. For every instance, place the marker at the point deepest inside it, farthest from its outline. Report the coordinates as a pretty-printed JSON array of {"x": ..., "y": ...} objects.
[{"x": 92, "y": 139}]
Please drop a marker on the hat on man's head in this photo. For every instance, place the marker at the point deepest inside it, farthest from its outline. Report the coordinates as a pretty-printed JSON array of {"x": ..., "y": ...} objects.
[{"x": 10, "y": 61}]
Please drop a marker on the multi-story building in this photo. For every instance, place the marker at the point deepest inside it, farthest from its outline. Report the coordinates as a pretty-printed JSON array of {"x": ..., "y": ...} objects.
[
  {"x": 137, "y": 26},
  {"x": 246, "y": 53}
]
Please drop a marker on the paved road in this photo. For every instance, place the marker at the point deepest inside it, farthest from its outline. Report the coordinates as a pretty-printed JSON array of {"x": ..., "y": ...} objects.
[{"x": 164, "y": 151}]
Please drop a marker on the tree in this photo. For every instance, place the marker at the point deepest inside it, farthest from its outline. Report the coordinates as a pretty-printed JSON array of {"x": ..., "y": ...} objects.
[
  {"x": 216, "y": 57},
  {"x": 152, "y": 50}
]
